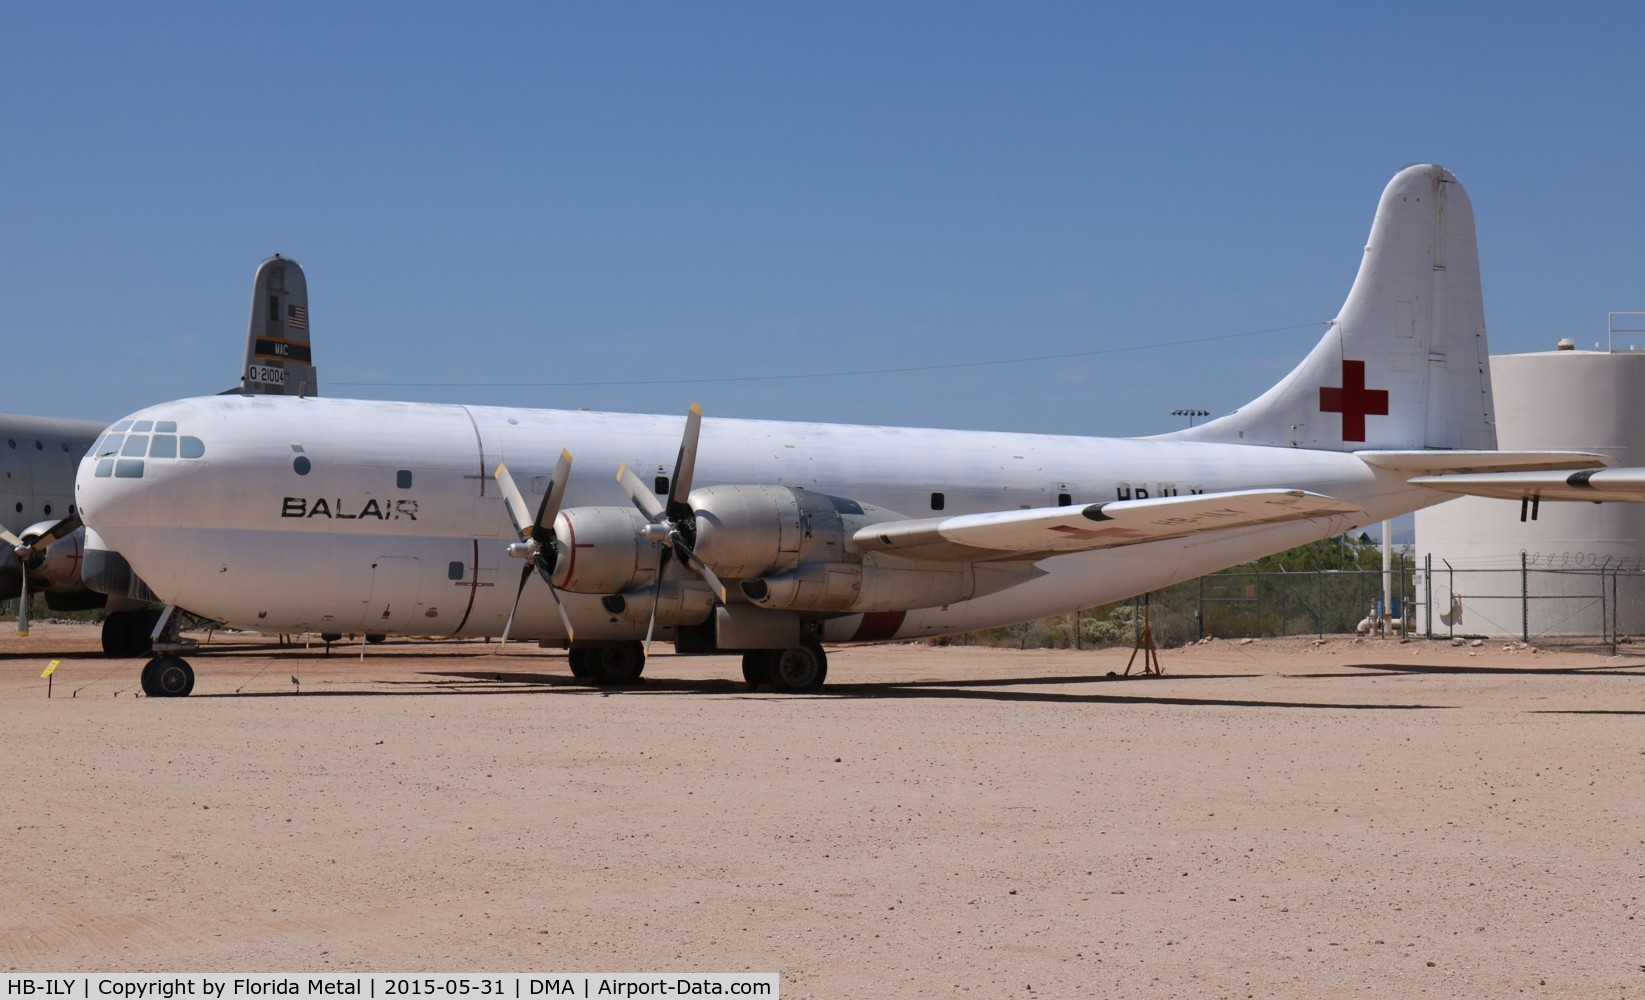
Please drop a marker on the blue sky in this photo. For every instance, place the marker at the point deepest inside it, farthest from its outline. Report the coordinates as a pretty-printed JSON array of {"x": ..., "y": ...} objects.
[{"x": 589, "y": 194}]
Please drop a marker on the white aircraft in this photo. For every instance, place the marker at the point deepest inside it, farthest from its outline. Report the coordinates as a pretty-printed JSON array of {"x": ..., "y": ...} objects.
[
  {"x": 772, "y": 538},
  {"x": 45, "y": 551}
]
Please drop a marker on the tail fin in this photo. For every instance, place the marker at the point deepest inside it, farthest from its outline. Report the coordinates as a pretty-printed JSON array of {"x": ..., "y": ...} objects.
[
  {"x": 278, "y": 359},
  {"x": 1404, "y": 365}
]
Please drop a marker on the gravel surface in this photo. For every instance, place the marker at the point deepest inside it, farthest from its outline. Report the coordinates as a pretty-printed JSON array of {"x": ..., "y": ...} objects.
[{"x": 1276, "y": 818}]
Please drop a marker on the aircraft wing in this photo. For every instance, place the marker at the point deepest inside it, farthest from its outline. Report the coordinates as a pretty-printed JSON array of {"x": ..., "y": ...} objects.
[
  {"x": 1596, "y": 486},
  {"x": 1435, "y": 462},
  {"x": 1047, "y": 531}
]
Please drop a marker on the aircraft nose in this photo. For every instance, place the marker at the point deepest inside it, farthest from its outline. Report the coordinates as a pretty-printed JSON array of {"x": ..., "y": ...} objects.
[{"x": 141, "y": 472}]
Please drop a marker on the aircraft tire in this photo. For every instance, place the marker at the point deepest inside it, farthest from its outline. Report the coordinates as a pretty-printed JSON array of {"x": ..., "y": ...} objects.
[
  {"x": 126, "y": 633},
  {"x": 168, "y": 677},
  {"x": 756, "y": 667},
  {"x": 619, "y": 664},
  {"x": 799, "y": 669}
]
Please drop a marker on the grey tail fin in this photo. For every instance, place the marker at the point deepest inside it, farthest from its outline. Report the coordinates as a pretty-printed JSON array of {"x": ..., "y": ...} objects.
[
  {"x": 279, "y": 361},
  {"x": 1404, "y": 366}
]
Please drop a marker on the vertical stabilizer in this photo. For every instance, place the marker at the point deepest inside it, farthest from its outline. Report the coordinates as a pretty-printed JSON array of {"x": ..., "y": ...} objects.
[
  {"x": 1404, "y": 365},
  {"x": 278, "y": 358}
]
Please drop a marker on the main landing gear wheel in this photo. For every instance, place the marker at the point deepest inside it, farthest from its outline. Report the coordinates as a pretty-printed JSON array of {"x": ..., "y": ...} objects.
[
  {"x": 620, "y": 663},
  {"x": 126, "y": 633},
  {"x": 168, "y": 677},
  {"x": 799, "y": 669},
  {"x": 579, "y": 662}
]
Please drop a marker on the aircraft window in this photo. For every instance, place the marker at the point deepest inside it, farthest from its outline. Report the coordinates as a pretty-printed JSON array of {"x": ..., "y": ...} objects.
[
  {"x": 123, "y": 425},
  {"x": 142, "y": 427},
  {"x": 128, "y": 468},
  {"x": 455, "y": 571},
  {"x": 48, "y": 509},
  {"x": 39, "y": 447},
  {"x": 301, "y": 465},
  {"x": 163, "y": 446},
  {"x": 1064, "y": 500},
  {"x": 661, "y": 486},
  {"x": 105, "y": 468},
  {"x": 402, "y": 479},
  {"x": 936, "y": 501},
  {"x": 111, "y": 445},
  {"x": 136, "y": 445},
  {"x": 191, "y": 447},
  {"x": 165, "y": 426},
  {"x": 65, "y": 446}
]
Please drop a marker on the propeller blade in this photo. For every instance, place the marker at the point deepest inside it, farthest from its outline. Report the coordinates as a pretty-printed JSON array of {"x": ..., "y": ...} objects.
[
  {"x": 66, "y": 526},
  {"x": 550, "y": 507},
  {"x": 525, "y": 574},
  {"x": 656, "y": 596},
  {"x": 685, "y": 465},
  {"x": 10, "y": 539},
  {"x": 690, "y": 559},
  {"x": 643, "y": 498},
  {"x": 565, "y": 619},
  {"x": 518, "y": 510},
  {"x": 23, "y": 606}
]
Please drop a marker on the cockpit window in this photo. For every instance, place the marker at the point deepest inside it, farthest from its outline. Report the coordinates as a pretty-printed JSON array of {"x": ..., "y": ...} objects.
[
  {"x": 128, "y": 468},
  {"x": 110, "y": 446},
  {"x": 105, "y": 468},
  {"x": 123, "y": 425},
  {"x": 143, "y": 426},
  {"x": 165, "y": 427},
  {"x": 191, "y": 447},
  {"x": 136, "y": 446},
  {"x": 163, "y": 446}
]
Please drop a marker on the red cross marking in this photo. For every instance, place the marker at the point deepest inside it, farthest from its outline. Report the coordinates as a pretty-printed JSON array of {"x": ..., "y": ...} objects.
[{"x": 1353, "y": 401}]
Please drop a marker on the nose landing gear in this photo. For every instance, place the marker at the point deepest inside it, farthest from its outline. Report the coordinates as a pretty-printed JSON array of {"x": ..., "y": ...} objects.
[{"x": 167, "y": 676}]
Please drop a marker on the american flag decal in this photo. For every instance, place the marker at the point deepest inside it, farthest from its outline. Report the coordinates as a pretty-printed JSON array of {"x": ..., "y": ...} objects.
[{"x": 297, "y": 317}]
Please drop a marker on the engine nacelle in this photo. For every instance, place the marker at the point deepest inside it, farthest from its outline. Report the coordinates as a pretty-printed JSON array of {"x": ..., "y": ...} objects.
[
  {"x": 602, "y": 550},
  {"x": 871, "y": 586},
  {"x": 679, "y": 602},
  {"x": 745, "y": 532},
  {"x": 57, "y": 570}
]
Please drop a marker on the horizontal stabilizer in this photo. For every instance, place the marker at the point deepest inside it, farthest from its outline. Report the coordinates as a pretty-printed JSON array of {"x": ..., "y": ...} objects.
[
  {"x": 1434, "y": 463},
  {"x": 1594, "y": 486},
  {"x": 1048, "y": 531}
]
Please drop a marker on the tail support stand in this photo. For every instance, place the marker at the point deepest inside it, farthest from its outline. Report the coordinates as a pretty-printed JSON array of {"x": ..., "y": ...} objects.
[{"x": 1145, "y": 645}]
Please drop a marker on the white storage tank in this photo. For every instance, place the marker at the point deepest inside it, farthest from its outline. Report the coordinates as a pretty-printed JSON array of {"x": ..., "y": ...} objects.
[{"x": 1556, "y": 576}]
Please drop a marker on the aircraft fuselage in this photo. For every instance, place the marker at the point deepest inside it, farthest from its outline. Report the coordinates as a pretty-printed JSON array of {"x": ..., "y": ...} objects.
[{"x": 355, "y": 516}]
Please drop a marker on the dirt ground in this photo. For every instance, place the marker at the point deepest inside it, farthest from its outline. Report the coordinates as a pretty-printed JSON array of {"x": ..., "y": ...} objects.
[{"x": 1279, "y": 818}]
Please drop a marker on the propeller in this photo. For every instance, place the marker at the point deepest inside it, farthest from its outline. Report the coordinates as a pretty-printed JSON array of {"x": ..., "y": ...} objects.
[
  {"x": 536, "y": 544},
  {"x": 29, "y": 553},
  {"x": 673, "y": 523}
]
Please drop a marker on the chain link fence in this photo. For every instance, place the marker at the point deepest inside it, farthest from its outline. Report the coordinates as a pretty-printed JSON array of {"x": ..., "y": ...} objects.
[
  {"x": 1551, "y": 605},
  {"x": 1594, "y": 604}
]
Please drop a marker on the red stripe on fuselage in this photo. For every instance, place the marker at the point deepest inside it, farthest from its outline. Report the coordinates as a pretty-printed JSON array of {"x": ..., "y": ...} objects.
[
  {"x": 877, "y": 626},
  {"x": 473, "y": 588}
]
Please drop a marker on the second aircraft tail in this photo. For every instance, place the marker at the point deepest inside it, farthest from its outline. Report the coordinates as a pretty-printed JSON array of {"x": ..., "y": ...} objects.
[{"x": 279, "y": 361}]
